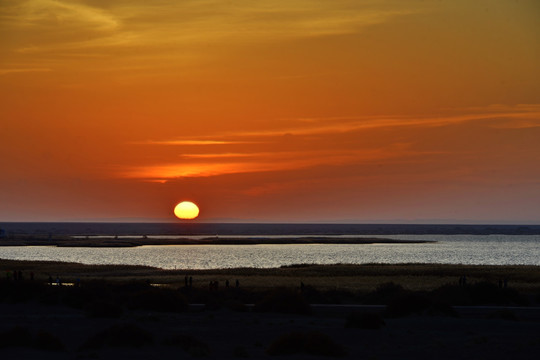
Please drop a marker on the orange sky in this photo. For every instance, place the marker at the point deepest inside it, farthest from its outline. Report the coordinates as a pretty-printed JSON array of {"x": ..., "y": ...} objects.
[{"x": 354, "y": 111}]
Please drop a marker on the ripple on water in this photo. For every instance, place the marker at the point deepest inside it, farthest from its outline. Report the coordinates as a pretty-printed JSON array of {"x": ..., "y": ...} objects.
[{"x": 449, "y": 249}]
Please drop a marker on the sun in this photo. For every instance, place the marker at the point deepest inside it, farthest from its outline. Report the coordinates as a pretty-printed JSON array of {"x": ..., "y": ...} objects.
[{"x": 186, "y": 210}]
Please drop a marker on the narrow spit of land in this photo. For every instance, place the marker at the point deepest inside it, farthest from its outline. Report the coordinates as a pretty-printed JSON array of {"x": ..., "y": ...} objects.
[{"x": 128, "y": 241}]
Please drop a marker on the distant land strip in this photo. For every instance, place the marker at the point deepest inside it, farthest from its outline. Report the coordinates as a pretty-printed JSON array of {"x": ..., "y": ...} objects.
[{"x": 140, "y": 241}]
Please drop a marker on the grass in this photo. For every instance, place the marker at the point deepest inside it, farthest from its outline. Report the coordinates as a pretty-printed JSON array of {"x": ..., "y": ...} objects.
[
  {"x": 114, "y": 299},
  {"x": 107, "y": 291},
  {"x": 323, "y": 277},
  {"x": 323, "y": 283}
]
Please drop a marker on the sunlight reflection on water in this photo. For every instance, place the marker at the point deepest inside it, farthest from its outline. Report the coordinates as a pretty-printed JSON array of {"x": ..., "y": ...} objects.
[{"x": 449, "y": 249}]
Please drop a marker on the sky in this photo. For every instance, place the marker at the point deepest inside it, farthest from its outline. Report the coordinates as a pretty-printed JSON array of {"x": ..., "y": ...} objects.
[{"x": 364, "y": 111}]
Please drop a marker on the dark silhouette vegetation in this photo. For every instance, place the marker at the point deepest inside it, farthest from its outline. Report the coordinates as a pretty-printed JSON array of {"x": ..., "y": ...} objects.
[
  {"x": 192, "y": 319},
  {"x": 365, "y": 320},
  {"x": 19, "y": 336},
  {"x": 120, "y": 335},
  {"x": 283, "y": 300},
  {"x": 102, "y": 299},
  {"x": 189, "y": 343},
  {"x": 311, "y": 342}
]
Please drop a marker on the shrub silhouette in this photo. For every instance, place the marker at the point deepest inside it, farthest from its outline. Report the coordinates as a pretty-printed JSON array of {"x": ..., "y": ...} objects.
[
  {"x": 240, "y": 351},
  {"x": 21, "y": 337},
  {"x": 453, "y": 294},
  {"x": 418, "y": 303},
  {"x": 408, "y": 304},
  {"x": 334, "y": 296},
  {"x": 313, "y": 343},
  {"x": 504, "y": 314},
  {"x": 484, "y": 292},
  {"x": 384, "y": 293},
  {"x": 364, "y": 320},
  {"x": 165, "y": 300},
  {"x": 19, "y": 292},
  {"x": 103, "y": 309},
  {"x": 47, "y": 341},
  {"x": 189, "y": 344},
  {"x": 283, "y": 301},
  {"x": 123, "y": 335},
  {"x": 488, "y": 293},
  {"x": 441, "y": 308},
  {"x": 15, "y": 337}
]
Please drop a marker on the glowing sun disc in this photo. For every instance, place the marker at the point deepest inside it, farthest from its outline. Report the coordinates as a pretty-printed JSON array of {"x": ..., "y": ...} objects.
[{"x": 186, "y": 210}]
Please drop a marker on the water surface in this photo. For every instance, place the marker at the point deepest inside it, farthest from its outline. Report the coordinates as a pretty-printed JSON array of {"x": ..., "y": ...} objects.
[{"x": 448, "y": 249}]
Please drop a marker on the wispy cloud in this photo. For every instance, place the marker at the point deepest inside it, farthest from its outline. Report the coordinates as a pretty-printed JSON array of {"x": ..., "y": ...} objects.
[
  {"x": 223, "y": 155},
  {"x": 71, "y": 14},
  {"x": 188, "y": 142},
  {"x": 225, "y": 164},
  {"x": 24, "y": 70},
  {"x": 516, "y": 124},
  {"x": 344, "y": 124},
  {"x": 207, "y": 162},
  {"x": 178, "y": 28},
  {"x": 520, "y": 116}
]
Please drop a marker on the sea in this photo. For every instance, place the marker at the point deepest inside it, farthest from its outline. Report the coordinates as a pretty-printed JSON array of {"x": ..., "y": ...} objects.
[{"x": 448, "y": 244}]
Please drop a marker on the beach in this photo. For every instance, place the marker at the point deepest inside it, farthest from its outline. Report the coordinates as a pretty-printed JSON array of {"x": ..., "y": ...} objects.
[{"x": 303, "y": 311}]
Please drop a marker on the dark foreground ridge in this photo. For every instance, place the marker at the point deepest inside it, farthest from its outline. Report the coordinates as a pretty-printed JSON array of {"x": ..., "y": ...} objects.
[{"x": 64, "y": 311}]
